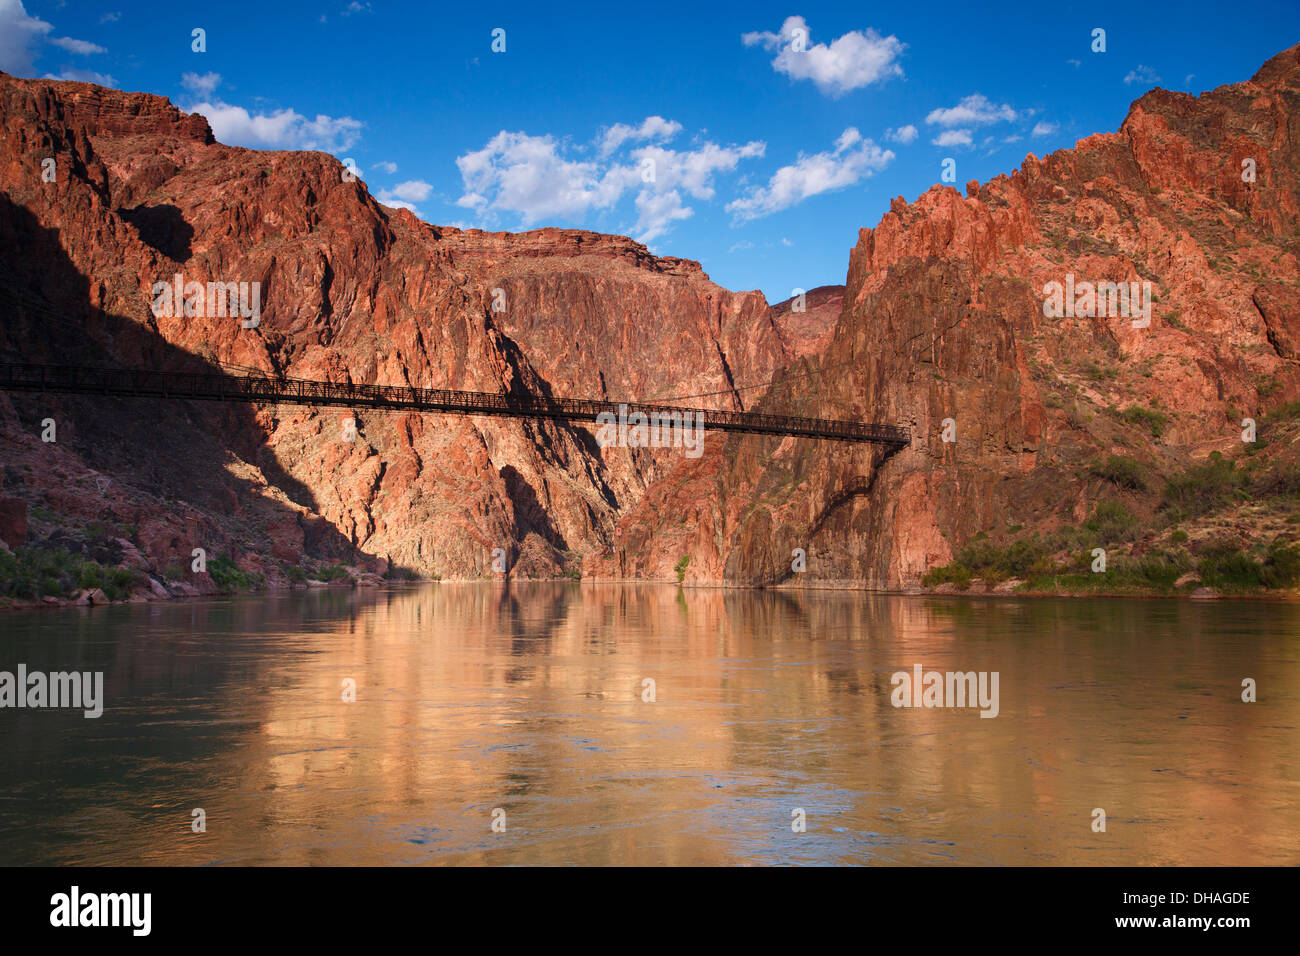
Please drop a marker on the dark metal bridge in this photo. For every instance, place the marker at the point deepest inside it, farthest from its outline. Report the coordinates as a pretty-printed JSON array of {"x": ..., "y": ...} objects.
[{"x": 146, "y": 383}]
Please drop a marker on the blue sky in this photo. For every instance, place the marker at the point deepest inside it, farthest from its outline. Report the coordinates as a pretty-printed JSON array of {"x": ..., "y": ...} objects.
[{"x": 756, "y": 138}]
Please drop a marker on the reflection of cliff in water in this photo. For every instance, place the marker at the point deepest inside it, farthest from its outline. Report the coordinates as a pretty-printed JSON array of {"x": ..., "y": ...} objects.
[{"x": 529, "y": 697}]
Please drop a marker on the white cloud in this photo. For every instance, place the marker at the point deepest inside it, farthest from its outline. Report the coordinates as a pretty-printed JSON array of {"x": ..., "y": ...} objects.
[
  {"x": 953, "y": 137},
  {"x": 656, "y": 212},
  {"x": 112, "y": 17},
  {"x": 973, "y": 110},
  {"x": 526, "y": 175},
  {"x": 852, "y": 160},
  {"x": 80, "y": 47},
  {"x": 354, "y": 7},
  {"x": 397, "y": 203},
  {"x": 532, "y": 177},
  {"x": 415, "y": 190},
  {"x": 17, "y": 33},
  {"x": 281, "y": 129},
  {"x": 855, "y": 60},
  {"x": 905, "y": 134},
  {"x": 652, "y": 128},
  {"x": 1044, "y": 128},
  {"x": 1143, "y": 75},
  {"x": 84, "y": 76},
  {"x": 1075, "y": 63},
  {"x": 786, "y": 242},
  {"x": 741, "y": 246},
  {"x": 385, "y": 166},
  {"x": 201, "y": 84}
]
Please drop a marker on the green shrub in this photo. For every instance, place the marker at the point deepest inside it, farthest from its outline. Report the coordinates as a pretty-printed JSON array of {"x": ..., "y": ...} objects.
[
  {"x": 35, "y": 571},
  {"x": 954, "y": 573},
  {"x": 1282, "y": 566},
  {"x": 1284, "y": 413},
  {"x": 228, "y": 577},
  {"x": 1148, "y": 418},
  {"x": 1122, "y": 471},
  {"x": 681, "y": 568},
  {"x": 333, "y": 572},
  {"x": 1228, "y": 567},
  {"x": 1281, "y": 482},
  {"x": 1111, "y": 522},
  {"x": 1203, "y": 488}
]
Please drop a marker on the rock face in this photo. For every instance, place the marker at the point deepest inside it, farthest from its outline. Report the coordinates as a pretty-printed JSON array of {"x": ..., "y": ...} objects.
[
  {"x": 941, "y": 326},
  {"x": 943, "y": 322},
  {"x": 349, "y": 290}
]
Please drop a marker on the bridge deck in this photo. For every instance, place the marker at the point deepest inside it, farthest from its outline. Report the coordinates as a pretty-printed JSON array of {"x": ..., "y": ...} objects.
[{"x": 146, "y": 383}]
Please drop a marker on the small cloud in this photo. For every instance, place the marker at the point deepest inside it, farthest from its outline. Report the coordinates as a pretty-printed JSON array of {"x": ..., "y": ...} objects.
[
  {"x": 855, "y": 60},
  {"x": 397, "y": 203},
  {"x": 853, "y": 159},
  {"x": 84, "y": 76},
  {"x": 1044, "y": 129},
  {"x": 1190, "y": 77},
  {"x": 1013, "y": 139},
  {"x": 651, "y": 129},
  {"x": 201, "y": 84},
  {"x": 79, "y": 47},
  {"x": 786, "y": 242},
  {"x": 953, "y": 137},
  {"x": 354, "y": 7},
  {"x": 414, "y": 190},
  {"x": 112, "y": 17},
  {"x": 281, "y": 129},
  {"x": 904, "y": 134},
  {"x": 974, "y": 110},
  {"x": 1142, "y": 75},
  {"x": 1075, "y": 63},
  {"x": 741, "y": 246},
  {"x": 385, "y": 166}
]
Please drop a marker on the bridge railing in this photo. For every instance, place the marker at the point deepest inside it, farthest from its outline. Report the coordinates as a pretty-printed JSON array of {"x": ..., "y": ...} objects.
[{"x": 266, "y": 388}]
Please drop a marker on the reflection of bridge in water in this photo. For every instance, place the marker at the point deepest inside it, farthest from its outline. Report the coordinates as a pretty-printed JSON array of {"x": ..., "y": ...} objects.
[
  {"x": 141, "y": 383},
  {"x": 206, "y": 386}
]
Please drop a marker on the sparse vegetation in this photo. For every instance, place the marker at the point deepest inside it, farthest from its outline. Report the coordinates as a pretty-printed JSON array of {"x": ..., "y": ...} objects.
[
  {"x": 228, "y": 577},
  {"x": 1121, "y": 471},
  {"x": 1148, "y": 418},
  {"x": 1203, "y": 488},
  {"x": 34, "y": 572}
]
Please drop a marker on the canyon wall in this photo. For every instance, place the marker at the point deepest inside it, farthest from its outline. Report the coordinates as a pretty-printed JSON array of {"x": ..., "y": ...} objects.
[
  {"x": 943, "y": 322},
  {"x": 940, "y": 326}
]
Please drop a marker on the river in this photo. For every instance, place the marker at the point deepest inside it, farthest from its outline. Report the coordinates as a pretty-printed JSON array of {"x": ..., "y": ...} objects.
[{"x": 648, "y": 724}]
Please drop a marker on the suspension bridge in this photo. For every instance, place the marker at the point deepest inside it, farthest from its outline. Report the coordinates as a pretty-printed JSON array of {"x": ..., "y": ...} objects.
[{"x": 270, "y": 389}]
